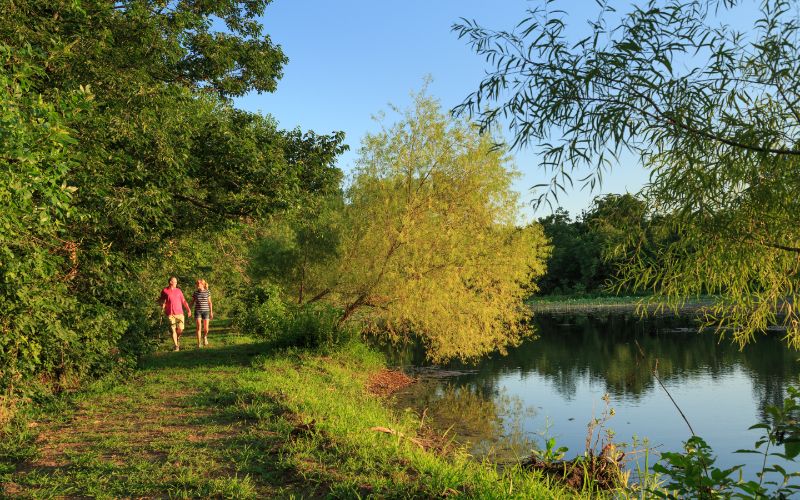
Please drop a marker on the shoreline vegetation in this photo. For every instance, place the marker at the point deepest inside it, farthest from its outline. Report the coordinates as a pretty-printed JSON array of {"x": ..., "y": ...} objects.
[
  {"x": 242, "y": 419},
  {"x": 570, "y": 304}
]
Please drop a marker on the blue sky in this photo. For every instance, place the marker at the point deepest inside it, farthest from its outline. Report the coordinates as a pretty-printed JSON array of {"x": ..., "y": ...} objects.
[{"x": 349, "y": 59}]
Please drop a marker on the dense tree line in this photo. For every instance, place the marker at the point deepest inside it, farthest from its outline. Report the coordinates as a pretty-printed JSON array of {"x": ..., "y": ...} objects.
[
  {"x": 588, "y": 252},
  {"x": 118, "y": 141}
]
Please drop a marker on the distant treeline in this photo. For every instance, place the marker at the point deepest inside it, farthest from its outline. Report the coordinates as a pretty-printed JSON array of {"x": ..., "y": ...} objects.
[{"x": 589, "y": 251}]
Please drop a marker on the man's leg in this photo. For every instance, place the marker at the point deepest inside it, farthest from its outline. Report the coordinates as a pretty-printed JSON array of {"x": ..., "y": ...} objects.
[
  {"x": 178, "y": 330},
  {"x": 173, "y": 327}
]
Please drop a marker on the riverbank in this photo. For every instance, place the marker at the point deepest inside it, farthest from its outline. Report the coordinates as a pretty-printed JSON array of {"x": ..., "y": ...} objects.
[
  {"x": 569, "y": 304},
  {"x": 239, "y": 420}
]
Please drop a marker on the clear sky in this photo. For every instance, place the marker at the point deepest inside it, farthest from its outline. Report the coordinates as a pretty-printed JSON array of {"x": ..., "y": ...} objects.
[{"x": 349, "y": 59}]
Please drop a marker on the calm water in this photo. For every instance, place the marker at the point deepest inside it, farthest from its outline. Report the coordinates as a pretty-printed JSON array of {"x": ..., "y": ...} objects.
[{"x": 554, "y": 385}]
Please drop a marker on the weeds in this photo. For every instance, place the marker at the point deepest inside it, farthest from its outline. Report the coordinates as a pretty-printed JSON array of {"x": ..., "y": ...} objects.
[{"x": 601, "y": 466}]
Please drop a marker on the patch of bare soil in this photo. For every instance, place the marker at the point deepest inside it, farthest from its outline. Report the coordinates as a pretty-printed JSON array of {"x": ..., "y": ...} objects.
[
  {"x": 141, "y": 424},
  {"x": 386, "y": 382}
]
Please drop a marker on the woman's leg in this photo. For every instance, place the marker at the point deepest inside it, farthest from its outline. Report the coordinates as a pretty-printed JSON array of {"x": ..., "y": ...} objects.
[
  {"x": 205, "y": 331},
  {"x": 197, "y": 322}
]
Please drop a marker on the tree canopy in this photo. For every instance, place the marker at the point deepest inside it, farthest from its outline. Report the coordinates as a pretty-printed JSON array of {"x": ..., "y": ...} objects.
[
  {"x": 710, "y": 111},
  {"x": 586, "y": 253},
  {"x": 426, "y": 242},
  {"x": 117, "y": 136}
]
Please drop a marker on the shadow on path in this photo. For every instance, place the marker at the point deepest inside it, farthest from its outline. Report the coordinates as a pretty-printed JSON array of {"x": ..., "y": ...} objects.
[{"x": 225, "y": 349}]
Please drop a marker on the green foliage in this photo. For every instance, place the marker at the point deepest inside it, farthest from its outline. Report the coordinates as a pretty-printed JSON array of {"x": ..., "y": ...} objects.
[
  {"x": 588, "y": 252},
  {"x": 264, "y": 313},
  {"x": 298, "y": 249},
  {"x": 43, "y": 327},
  {"x": 572, "y": 267},
  {"x": 710, "y": 111},
  {"x": 120, "y": 154},
  {"x": 551, "y": 453},
  {"x": 425, "y": 244},
  {"x": 693, "y": 475},
  {"x": 317, "y": 326}
]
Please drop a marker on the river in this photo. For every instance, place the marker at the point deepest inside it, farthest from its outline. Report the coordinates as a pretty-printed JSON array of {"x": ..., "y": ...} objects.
[{"x": 556, "y": 384}]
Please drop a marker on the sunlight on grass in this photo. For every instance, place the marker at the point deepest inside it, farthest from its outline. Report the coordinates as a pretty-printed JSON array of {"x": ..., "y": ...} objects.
[{"x": 241, "y": 420}]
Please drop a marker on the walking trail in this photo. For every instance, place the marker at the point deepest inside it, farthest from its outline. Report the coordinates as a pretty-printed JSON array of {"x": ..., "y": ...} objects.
[{"x": 174, "y": 429}]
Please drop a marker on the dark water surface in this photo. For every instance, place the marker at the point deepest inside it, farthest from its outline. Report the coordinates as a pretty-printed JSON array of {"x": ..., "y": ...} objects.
[{"x": 553, "y": 386}]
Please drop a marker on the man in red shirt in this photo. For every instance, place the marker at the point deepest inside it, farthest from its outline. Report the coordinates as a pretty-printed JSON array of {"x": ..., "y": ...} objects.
[{"x": 172, "y": 303}]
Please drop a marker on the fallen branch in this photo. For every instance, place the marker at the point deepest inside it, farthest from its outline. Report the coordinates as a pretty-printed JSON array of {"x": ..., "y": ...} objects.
[{"x": 399, "y": 434}]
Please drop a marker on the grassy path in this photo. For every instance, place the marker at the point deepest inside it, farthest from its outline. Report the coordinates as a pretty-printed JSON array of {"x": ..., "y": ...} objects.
[
  {"x": 174, "y": 429},
  {"x": 238, "y": 420}
]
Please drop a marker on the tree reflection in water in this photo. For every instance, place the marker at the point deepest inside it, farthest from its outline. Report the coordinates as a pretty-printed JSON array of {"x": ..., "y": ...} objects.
[
  {"x": 617, "y": 351},
  {"x": 485, "y": 420}
]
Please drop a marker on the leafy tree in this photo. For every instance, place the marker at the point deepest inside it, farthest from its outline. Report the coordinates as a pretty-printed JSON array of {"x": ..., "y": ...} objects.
[
  {"x": 428, "y": 242},
  {"x": 36, "y": 263},
  {"x": 118, "y": 138},
  {"x": 587, "y": 252},
  {"x": 570, "y": 256},
  {"x": 711, "y": 112},
  {"x": 300, "y": 248}
]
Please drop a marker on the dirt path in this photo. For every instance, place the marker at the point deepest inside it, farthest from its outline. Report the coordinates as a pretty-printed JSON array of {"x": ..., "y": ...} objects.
[{"x": 177, "y": 429}]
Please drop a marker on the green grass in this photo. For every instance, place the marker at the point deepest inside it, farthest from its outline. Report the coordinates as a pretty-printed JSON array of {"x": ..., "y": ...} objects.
[{"x": 239, "y": 420}]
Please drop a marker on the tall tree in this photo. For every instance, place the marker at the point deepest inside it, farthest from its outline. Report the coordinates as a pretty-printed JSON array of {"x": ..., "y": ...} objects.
[
  {"x": 117, "y": 122},
  {"x": 712, "y": 112},
  {"x": 428, "y": 243}
]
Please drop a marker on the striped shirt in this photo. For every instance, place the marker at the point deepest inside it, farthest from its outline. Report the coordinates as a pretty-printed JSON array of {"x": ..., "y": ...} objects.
[{"x": 200, "y": 298}]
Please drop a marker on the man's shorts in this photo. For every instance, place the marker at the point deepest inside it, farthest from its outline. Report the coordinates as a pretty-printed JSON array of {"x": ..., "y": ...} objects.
[{"x": 175, "y": 322}]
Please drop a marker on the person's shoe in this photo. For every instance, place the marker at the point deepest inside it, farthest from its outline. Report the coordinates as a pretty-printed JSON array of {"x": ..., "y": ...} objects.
[
  {"x": 205, "y": 340},
  {"x": 177, "y": 348}
]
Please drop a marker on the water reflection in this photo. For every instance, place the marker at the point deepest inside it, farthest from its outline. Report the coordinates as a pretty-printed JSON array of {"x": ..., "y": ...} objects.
[{"x": 554, "y": 384}]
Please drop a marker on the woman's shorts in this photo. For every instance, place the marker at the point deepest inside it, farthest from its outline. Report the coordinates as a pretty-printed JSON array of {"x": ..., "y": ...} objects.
[{"x": 201, "y": 314}]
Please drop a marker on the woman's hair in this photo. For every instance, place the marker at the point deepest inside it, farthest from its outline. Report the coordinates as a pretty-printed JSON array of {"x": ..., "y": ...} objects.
[{"x": 202, "y": 284}]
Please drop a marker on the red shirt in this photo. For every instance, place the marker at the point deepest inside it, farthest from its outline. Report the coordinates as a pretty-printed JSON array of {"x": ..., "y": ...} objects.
[{"x": 174, "y": 300}]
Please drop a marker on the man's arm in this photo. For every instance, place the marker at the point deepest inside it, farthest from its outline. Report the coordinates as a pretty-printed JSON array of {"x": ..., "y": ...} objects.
[{"x": 186, "y": 305}]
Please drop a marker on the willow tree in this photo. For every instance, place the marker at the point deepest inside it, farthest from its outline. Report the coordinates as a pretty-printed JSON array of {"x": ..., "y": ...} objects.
[
  {"x": 431, "y": 244},
  {"x": 713, "y": 113}
]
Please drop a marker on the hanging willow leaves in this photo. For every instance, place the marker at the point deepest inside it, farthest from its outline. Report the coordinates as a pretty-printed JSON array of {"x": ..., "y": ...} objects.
[{"x": 714, "y": 115}]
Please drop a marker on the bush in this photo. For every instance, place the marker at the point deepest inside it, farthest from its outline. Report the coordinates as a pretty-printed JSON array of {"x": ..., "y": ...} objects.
[
  {"x": 315, "y": 326},
  {"x": 263, "y": 311}
]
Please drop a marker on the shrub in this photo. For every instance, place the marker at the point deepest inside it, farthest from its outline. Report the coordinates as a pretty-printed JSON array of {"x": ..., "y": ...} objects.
[
  {"x": 262, "y": 311},
  {"x": 316, "y": 326}
]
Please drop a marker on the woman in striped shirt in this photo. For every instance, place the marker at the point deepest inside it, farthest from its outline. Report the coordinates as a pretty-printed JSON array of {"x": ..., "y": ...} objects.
[{"x": 203, "y": 311}]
